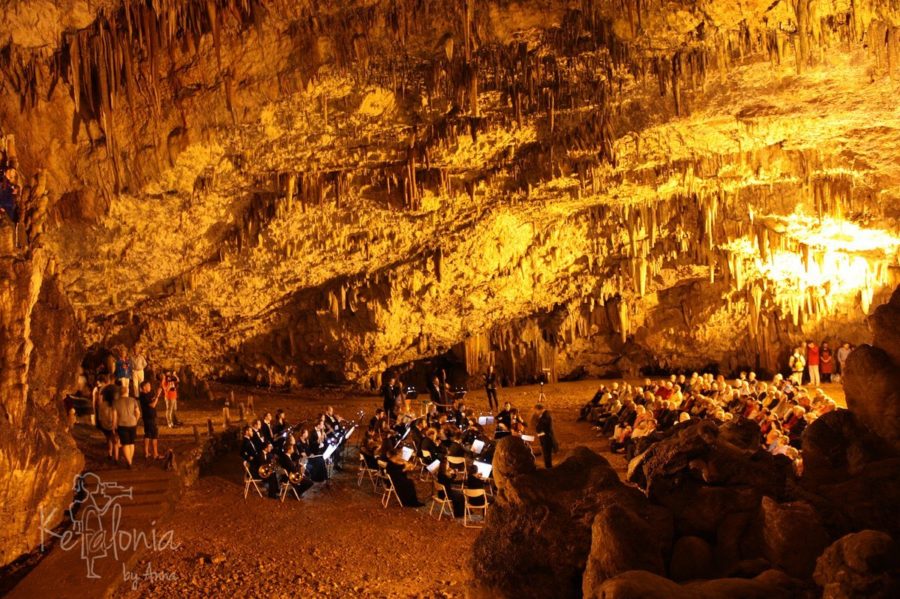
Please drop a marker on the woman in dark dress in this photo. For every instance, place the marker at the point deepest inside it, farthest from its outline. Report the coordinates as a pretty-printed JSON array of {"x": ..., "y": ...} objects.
[{"x": 406, "y": 489}]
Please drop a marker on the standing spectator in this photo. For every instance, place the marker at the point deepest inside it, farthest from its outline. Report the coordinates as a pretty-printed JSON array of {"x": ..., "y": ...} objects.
[
  {"x": 390, "y": 394},
  {"x": 170, "y": 388},
  {"x": 123, "y": 370},
  {"x": 544, "y": 429},
  {"x": 138, "y": 364},
  {"x": 812, "y": 363},
  {"x": 105, "y": 412},
  {"x": 125, "y": 419},
  {"x": 9, "y": 194},
  {"x": 797, "y": 363},
  {"x": 148, "y": 401},
  {"x": 490, "y": 387},
  {"x": 843, "y": 353},
  {"x": 826, "y": 363}
]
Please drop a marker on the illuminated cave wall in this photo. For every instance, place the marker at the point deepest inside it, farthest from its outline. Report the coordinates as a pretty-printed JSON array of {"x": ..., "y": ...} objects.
[{"x": 293, "y": 191}]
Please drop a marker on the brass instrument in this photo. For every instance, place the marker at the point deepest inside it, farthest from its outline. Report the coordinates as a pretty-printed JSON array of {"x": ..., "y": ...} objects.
[
  {"x": 296, "y": 477},
  {"x": 266, "y": 470}
]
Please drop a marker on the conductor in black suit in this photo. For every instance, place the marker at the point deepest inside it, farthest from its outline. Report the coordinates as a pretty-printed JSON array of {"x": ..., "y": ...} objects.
[{"x": 544, "y": 429}]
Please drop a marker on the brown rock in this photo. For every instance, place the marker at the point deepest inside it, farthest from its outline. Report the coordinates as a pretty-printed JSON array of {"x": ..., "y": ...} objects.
[
  {"x": 620, "y": 541},
  {"x": 838, "y": 445},
  {"x": 692, "y": 558},
  {"x": 541, "y": 522},
  {"x": 872, "y": 386},
  {"x": 638, "y": 584},
  {"x": 793, "y": 536},
  {"x": 885, "y": 324},
  {"x": 860, "y": 565},
  {"x": 39, "y": 356}
]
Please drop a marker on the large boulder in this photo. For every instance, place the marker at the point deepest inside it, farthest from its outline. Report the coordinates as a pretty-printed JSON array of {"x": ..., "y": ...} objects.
[
  {"x": 872, "y": 387},
  {"x": 837, "y": 446},
  {"x": 792, "y": 536},
  {"x": 867, "y": 500},
  {"x": 702, "y": 476},
  {"x": 622, "y": 540},
  {"x": 692, "y": 559},
  {"x": 537, "y": 537},
  {"x": 863, "y": 565},
  {"x": 39, "y": 358},
  {"x": 885, "y": 325},
  {"x": 638, "y": 584}
]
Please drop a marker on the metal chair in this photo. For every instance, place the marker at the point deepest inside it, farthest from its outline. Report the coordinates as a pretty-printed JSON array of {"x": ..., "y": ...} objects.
[
  {"x": 387, "y": 486},
  {"x": 250, "y": 480},
  {"x": 440, "y": 496},
  {"x": 470, "y": 494},
  {"x": 285, "y": 484},
  {"x": 365, "y": 471},
  {"x": 424, "y": 460}
]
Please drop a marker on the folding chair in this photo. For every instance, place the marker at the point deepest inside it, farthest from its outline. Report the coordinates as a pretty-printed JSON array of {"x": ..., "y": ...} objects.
[
  {"x": 458, "y": 465},
  {"x": 285, "y": 484},
  {"x": 424, "y": 460},
  {"x": 250, "y": 480},
  {"x": 440, "y": 496},
  {"x": 469, "y": 494},
  {"x": 365, "y": 471},
  {"x": 387, "y": 486}
]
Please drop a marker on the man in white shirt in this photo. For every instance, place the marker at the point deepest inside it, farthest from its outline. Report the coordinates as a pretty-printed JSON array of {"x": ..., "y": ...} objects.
[{"x": 138, "y": 364}]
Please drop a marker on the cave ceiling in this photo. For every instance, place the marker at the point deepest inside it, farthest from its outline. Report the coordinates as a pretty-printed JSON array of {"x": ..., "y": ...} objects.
[{"x": 317, "y": 191}]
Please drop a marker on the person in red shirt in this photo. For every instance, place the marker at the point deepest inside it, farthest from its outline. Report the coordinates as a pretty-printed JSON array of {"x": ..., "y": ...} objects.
[
  {"x": 812, "y": 363},
  {"x": 826, "y": 363}
]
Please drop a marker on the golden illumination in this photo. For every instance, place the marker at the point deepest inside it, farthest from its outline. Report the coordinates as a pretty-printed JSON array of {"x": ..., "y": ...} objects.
[{"x": 810, "y": 265}]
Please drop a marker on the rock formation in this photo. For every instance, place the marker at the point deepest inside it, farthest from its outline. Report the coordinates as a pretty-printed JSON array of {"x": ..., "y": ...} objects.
[
  {"x": 311, "y": 192},
  {"x": 40, "y": 354}
]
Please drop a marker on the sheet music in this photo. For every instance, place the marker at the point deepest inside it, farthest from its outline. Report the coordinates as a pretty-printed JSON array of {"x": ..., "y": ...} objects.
[
  {"x": 407, "y": 453},
  {"x": 527, "y": 438},
  {"x": 484, "y": 470},
  {"x": 477, "y": 446},
  {"x": 433, "y": 466}
]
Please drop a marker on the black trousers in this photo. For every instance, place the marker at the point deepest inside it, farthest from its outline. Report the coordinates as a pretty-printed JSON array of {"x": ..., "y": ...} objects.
[
  {"x": 492, "y": 399},
  {"x": 547, "y": 450}
]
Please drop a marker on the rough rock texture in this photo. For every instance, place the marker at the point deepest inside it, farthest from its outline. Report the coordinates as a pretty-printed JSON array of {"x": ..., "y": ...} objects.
[
  {"x": 645, "y": 585},
  {"x": 537, "y": 538},
  {"x": 620, "y": 541},
  {"x": 872, "y": 381},
  {"x": 793, "y": 536},
  {"x": 838, "y": 446},
  {"x": 692, "y": 558},
  {"x": 312, "y": 191},
  {"x": 861, "y": 565},
  {"x": 39, "y": 358},
  {"x": 703, "y": 478}
]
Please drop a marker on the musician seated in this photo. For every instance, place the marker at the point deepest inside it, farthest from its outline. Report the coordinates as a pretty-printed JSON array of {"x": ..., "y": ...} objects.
[
  {"x": 280, "y": 424},
  {"x": 256, "y": 457},
  {"x": 429, "y": 444},
  {"x": 302, "y": 443},
  {"x": 370, "y": 448},
  {"x": 505, "y": 416},
  {"x": 452, "y": 481},
  {"x": 376, "y": 423},
  {"x": 396, "y": 469},
  {"x": 290, "y": 461}
]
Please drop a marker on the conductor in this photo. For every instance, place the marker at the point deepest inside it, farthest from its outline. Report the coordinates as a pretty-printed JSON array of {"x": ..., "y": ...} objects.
[{"x": 544, "y": 429}]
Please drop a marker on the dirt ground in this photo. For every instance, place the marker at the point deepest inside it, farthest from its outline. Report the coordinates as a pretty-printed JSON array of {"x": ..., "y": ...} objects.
[{"x": 337, "y": 541}]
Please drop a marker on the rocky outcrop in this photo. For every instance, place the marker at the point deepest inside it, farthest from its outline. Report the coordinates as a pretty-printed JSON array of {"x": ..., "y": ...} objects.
[
  {"x": 638, "y": 584},
  {"x": 872, "y": 378},
  {"x": 862, "y": 565},
  {"x": 39, "y": 358},
  {"x": 538, "y": 536}
]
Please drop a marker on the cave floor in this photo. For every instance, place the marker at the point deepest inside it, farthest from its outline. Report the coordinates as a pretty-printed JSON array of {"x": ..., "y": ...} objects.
[{"x": 336, "y": 542}]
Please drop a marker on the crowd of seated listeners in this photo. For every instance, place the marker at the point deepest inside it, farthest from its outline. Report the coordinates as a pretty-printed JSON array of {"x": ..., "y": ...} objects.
[{"x": 634, "y": 417}]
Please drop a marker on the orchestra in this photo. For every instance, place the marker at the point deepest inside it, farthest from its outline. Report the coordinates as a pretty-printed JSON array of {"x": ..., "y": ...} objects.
[{"x": 449, "y": 440}]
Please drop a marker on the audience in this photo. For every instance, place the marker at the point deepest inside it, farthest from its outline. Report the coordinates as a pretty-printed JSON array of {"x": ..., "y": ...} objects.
[{"x": 634, "y": 417}]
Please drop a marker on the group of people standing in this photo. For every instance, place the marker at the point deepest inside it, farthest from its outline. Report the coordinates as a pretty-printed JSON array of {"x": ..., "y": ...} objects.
[
  {"x": 122, "y": 398},
  {"x": 820, "y": 364}
]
